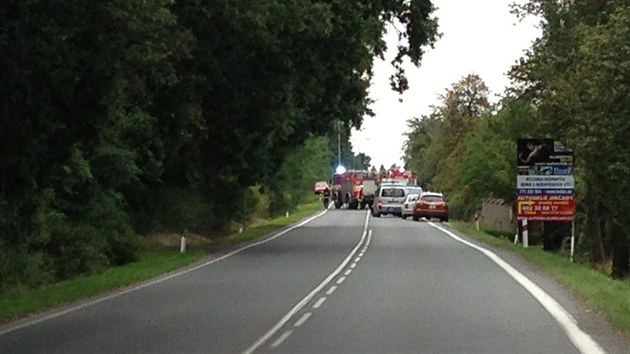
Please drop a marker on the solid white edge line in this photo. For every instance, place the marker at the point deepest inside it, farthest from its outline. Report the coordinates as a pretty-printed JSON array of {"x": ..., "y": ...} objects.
[
  {"x": 319, "y": 302},
  {"x": 580, "y": 339},
  {"x": 156, "y": 281},
  {"x": 282, "y": 338},
  {"x": 287, "y": 317},
  {"x": 303, "y": 319}
]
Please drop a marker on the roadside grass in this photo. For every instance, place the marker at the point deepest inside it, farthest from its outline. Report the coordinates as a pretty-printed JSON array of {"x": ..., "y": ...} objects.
[
  {"x": 609, "y": 297},
  {"x": 16, "y": 304},
  {"x": 269, "y": 226}
]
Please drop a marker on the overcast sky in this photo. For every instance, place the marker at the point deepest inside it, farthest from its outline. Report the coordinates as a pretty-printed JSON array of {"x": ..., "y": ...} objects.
[{"x": 480, "y": 37}]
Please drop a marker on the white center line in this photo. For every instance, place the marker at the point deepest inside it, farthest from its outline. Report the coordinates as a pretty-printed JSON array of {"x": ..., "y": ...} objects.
[
  {"x": 348, "y": 272},
  {"x": 303, "y": 319},
  {"x": 340, "y": 280},
  {"x": 319, "y": 302},
  {"x": 331, "y": 290},
  {"x": 282, "y": 338},
  {"x": 294, "y": 310}
]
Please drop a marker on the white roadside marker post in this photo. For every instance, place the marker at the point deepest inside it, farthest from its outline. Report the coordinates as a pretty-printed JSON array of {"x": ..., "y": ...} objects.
[
  {"x": 572, "y": 239},
  {"x": 525, "y": 234},
  {"x": 182, "y": 242}
]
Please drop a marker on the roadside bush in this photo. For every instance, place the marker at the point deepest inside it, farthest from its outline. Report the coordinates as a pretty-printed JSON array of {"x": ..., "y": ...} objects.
[
  {"x": 183, "y": 208},
  {"x": 508, "y": 235}
]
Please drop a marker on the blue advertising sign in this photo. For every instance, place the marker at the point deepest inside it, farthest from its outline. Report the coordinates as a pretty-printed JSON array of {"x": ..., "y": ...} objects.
[{"x": 521, "y": 191}]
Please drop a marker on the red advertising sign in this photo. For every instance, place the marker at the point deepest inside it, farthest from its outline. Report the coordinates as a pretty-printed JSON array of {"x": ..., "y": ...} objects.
[{"x": 546, "y": 207}]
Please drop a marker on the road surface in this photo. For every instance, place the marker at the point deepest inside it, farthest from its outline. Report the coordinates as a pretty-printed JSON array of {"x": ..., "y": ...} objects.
[{"x": 338, "y": 282}]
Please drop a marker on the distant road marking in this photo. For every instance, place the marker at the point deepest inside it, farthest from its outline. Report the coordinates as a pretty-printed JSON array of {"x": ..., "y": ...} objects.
[
  {"x": 331, "y": 290},
  {"x": 287, "y": 317},
  {"x": 282, "y": 338},
  {"x": 347, "y": 272},
  {"x": 340, "y": 280},
  {"x": 303, "y": 319},
  {"x": 319, "y": 302},
  {"x": 580, "y": 339},
  {"x": 159, "y": 280}
]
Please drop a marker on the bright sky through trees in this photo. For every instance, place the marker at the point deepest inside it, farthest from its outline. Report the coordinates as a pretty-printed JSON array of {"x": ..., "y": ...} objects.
[{"x": 480, "y": 37}]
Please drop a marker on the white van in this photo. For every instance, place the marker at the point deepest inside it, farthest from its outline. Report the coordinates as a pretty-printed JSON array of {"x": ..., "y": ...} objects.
[{"x": 389, "y": 199}]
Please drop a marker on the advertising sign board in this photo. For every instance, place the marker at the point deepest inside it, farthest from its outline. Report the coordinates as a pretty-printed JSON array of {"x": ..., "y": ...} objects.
[
  {"x": 545, "y": 182},
  {"x": 545, "y": 185},
  {"x": 532, "y": 152},
  {"x": 546, "y": 207}
]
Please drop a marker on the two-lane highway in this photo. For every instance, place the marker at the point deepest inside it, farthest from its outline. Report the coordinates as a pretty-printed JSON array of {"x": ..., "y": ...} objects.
[
  {"x": 418, "y": 290},
  {"x": 341, "y": 282}
]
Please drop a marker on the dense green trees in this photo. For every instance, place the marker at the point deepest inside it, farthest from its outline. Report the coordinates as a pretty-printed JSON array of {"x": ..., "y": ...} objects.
[
  {"x": 578, "y": 74},
  {"x": 571, "y": 85},
  {"x": 438, "y": 145},
  {"x": 120, "y": 117}
]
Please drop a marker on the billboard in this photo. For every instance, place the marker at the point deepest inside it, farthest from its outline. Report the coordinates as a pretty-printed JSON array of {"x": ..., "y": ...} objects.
[
  {"x": 545, "y": 185},
  {"x": 545, "y": 207},
  {"x": 537, "y": 152},
  {"x": 545, "y": 182}
]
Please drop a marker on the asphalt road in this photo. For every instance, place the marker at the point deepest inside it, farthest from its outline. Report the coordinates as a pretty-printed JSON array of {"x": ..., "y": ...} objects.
[{"x": 342, "y": 282}]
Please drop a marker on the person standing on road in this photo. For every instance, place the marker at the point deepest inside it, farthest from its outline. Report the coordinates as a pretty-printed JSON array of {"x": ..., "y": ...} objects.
[{"x": 326, "y": 194}]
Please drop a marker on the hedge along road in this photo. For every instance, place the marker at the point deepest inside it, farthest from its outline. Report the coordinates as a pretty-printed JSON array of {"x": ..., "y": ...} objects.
[{"x": 333, "y": 284}]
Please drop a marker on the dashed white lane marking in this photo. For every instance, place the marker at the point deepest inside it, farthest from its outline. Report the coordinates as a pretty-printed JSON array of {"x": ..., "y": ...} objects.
[
  {"x": 281, "y": 339},
  {"x": 303, "y": 319},
  {"x": 353, "y": 265},
  {"x": 331, "y": 290},
  {"x": 319, "y": 302},
  {"x": 357, "y": 259},
  {"x": 287, "y": 317},
  {"x": 580, "y": 339},
  {"x": 347, "y": 272},
  {"x": 340, "y": 280}
]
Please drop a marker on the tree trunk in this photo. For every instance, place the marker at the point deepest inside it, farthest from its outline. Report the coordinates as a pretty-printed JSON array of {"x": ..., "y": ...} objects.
[
  {"x": 621, "y": 252},
  {"x": 553, "y": 235},
  {"x": 593, "y": 221}
]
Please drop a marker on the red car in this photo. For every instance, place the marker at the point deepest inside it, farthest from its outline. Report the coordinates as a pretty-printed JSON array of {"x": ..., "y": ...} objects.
[{"x": 431, "y": 205}]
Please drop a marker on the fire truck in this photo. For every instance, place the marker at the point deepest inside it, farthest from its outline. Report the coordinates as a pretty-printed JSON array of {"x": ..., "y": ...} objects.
[
  {"x": 354, "y": 188},
  {"x": 357, "y": 188},
  {"x": 398, "y": 175}
]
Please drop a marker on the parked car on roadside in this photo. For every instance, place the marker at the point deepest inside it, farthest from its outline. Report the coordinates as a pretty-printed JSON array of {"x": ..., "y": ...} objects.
[
  {"x": 409, "y": 205},
  {"x": 431, "y": 205}
]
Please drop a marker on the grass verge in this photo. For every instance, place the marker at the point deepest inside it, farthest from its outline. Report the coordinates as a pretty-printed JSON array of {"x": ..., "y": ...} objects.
[
  {"x": 609, "y": 297},
  {"x": 14, "y": 304},
  {"x": 268, "y": 226}
]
